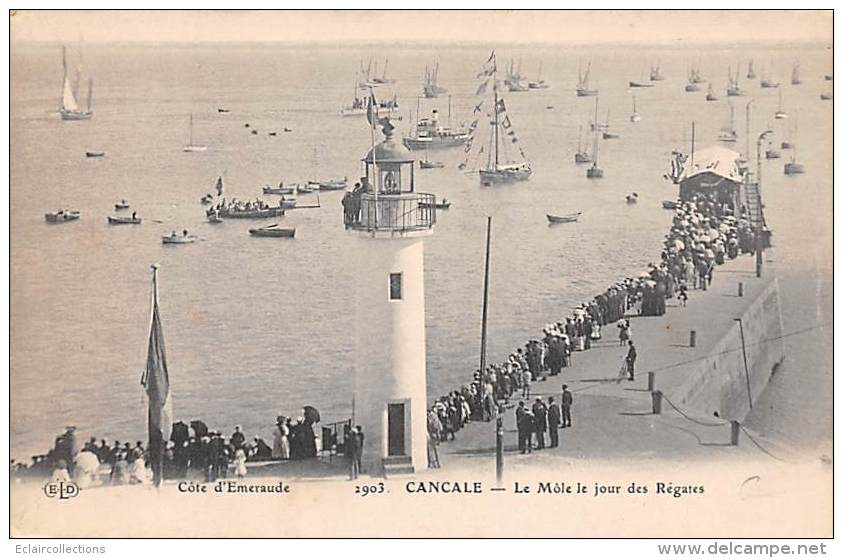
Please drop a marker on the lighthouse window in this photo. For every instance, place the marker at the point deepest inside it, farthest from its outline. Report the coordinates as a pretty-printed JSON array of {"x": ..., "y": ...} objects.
[{"x": 394, "y": 286}]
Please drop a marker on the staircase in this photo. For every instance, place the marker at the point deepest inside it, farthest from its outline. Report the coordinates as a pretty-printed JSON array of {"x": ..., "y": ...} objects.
[
  {"x": 751, "y": 199},
  {"x": 398, "y": 465}
]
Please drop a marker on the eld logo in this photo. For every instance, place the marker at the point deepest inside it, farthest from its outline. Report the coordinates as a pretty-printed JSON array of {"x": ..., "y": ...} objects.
[{"x": 61, "y": 489}]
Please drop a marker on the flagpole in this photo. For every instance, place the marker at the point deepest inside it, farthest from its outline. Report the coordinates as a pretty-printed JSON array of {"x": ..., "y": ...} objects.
[
  {"x": 157, "y": 452},
  {"x": 372, "y": 121}
]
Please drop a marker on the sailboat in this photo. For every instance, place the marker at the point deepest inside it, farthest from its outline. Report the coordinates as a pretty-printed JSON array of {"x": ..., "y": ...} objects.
[
  {"x": 750, "y": 72},
  {"x": 431, "y": 88},
  {"x": 595, "y": 171},
  {"x": 788, "y": 143},
  {"x": 641, "y": 82},
  {"x": 382, "y": 79},
  {"x": 794, "y": 167},
  {"x": 710, "y": 96},
  {"x": 581, "y": 156},
  {"x": 766, "y": 81},
  {"x": 734, "y": 88},
  {"x": 729, "y": 135},
  {"x": 583, "y": 89},
  {"x": 192, "y": 147},
  {"x": 794, "y": 74},
  {"x": 634, "y": 117},
  {"x": 694, "y": 79},
  {"x": 780, "y": 113},
  {"x": 70, "y": 109},
  {"x": 594, "y": 125},
  {"x": 655, "y": 73},
  {"x": 500, "y": 166},
  {"x": 539, "y": 83},
  {"x": 513, "y": 79},
  {"x": 357, "y": 106}
]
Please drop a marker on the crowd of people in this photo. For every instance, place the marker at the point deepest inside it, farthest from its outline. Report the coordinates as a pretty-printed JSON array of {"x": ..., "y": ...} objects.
[{"x": 703, "y": 235}]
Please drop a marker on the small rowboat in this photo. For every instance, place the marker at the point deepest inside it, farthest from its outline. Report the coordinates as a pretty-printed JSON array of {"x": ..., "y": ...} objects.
[
  {"x": 425, "y": 164},
  {"x": 332, "y": 184},
  {"x": 214, "y": 219},
  {"x": 640, "y": 84},
  {"x": 125, "y": 220},
  {"x": 670, "y": 204},
  {"x": 610, "y": 135},
  {"x": 223, "y": 110},
  {"x": 122, "y": 204},
  {"x": 305, "y": 189},
  {"x": 281, "y": 190},
  {"x": 95, "y": 154},
  {"x": 273, "y": 231},
  {"x": 632, "y": 198},
  {"x": 571, "y": 218},
  {"x": 178, "y": 239},
  {"x": 61, "y": 216}
]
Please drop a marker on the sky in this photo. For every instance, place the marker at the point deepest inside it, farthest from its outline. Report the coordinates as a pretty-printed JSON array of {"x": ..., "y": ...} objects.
[{"x": 423, "y": 26}]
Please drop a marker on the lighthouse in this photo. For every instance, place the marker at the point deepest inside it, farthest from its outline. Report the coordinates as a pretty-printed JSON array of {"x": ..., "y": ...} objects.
[{"x": 389, "y": 220}]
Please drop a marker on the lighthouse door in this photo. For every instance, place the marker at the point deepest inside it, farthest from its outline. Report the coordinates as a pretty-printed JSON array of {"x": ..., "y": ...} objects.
[{"x": 395, "y": 429}]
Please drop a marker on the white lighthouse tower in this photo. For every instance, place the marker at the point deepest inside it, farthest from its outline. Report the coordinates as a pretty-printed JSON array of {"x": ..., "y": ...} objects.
[{"x": 390, "y": 220}]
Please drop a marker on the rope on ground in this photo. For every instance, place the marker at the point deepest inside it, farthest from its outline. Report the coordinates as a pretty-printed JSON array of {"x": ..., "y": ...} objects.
[
  {"x": 695, "y": 421},
  {"x": 759, "y": 446}
]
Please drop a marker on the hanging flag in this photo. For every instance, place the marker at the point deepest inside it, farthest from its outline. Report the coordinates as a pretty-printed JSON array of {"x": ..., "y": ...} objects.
[
  {"x": 482, "y": 89},
  {"x": 478, "y": 108},
  {"x": 501, "y": 106},
  {"x": 372, "y": 108},
  {"x": 469, "y": 143},
  {"x": 491, "y": 56},
  {"x": 506, "y": 123},
  {"x": 156, "y": 381},
  {"x": 219, "y": 186},
  {"x": 461, "y": 166},
  {"x": 511, "y": 133},
  {"x": 514, "y": 140},
  {"x": 481, "y": 150},
  {"x": 472, "y": 126}
]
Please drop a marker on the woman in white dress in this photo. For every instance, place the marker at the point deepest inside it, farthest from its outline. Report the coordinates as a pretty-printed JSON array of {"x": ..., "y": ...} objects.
[{"x": 240, "y": 463}]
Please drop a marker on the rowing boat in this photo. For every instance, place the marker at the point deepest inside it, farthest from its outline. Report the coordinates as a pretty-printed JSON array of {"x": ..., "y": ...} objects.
[
  {"x": 176, "y": 239},
  {"x": 251, "y": 213},
  {"x": 281, "y": 190},
  {"x": 125, "y": 220},
  {"x": 570, "y": 218},
  {"x": 670, "y": 204},
  {"x": 273, "y": 231}
]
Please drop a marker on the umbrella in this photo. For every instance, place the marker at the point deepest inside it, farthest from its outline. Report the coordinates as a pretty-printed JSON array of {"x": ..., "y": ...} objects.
[{"x": 311, "y": 415}]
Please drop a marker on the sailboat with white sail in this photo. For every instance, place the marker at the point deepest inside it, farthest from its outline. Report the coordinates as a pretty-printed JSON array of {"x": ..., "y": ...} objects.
[
  {"x": 193, "y": 147},
  {"x": 505, "y": 159},
  {"x": 70, "y": 108},
  {"x": 734, "y": 87},
  {"x": 513, "y": 80},
  {"x": 583, "y": 86}
]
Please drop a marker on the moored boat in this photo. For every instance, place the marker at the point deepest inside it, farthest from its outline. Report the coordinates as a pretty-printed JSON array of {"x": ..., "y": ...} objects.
[
  {"x": 273, "y": 231},
  {"x": 569, "y": 218},
  {"x": 193, "y": 147},
  {"x": 70, "y": 109},
  {"x": 94, "y": 154},
  {"x": 428, "y": 164},
  {"x": 61, "y": 216},
  {"x": 122, "y": 204},
  {"x": 442, "y": 204},
  {"x": 632, "y": 198},
  {"x": 670, "y": 204},
  {"x": 214, "y": 218},
  {"x": 772, "y": 154},
  {"x": 305, "y": 189},
  {"x": 231, "y": 213},
  {"x": 583, "y": 87},
  {"x": 429, "y": 134},
  {"x": 331, "y": 184}
]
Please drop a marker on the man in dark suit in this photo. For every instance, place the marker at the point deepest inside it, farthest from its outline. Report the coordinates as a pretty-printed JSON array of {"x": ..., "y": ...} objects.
[
  {"x": 540, "y": 413},
  {"x": 554, "y": 414},
  {"x": 567, "y": 401},
  {"x": 521, "y": 425},
  {"x": 631, "y": 355}
]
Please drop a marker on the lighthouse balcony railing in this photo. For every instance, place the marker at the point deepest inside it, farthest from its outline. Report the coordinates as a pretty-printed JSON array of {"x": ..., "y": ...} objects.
[{"x": 405, "y": 212}]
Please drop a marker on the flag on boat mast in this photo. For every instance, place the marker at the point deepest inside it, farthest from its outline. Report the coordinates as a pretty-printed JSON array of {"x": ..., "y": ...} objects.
[{"x": 156, "y": 382}]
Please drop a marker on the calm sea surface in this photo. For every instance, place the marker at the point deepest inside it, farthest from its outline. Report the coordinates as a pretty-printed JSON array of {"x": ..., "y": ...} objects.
[{"x": 258, "y": 327}]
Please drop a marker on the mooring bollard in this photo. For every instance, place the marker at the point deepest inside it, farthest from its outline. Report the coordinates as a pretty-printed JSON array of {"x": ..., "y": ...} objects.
[
  {"x": 740, "y": 289},
  {"x": 657, "y": 402},
  {"x": 651, "y": 381},
  {"x": 736, "y": 432},
  {"x": 692, "y": 342}
]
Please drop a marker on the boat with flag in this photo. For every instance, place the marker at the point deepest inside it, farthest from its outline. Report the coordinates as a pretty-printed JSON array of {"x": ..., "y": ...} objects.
[
  {"x": 429, "y": 133},
  {"x": 583, "y": 82},
  {"x": 70, "y": 108},
  {"x": 505, "y": 159}
]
